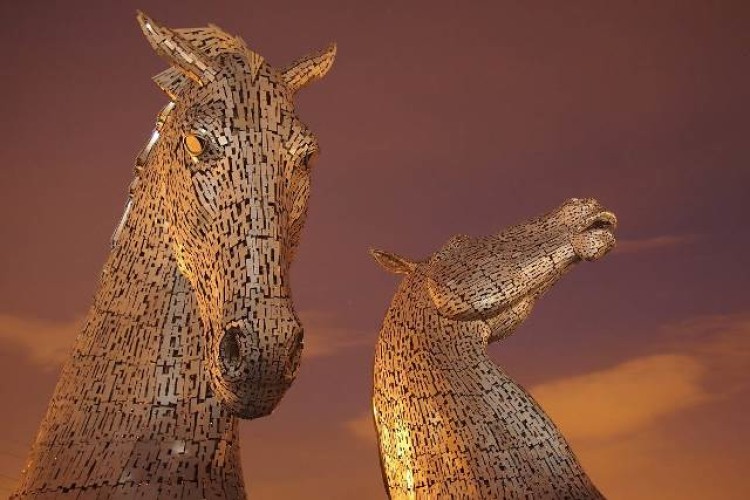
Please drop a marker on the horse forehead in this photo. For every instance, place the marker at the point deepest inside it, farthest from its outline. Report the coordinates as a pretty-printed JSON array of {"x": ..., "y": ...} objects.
[
  {"x": 244, "y": 82},
  {"x": 260, "y": 103}
]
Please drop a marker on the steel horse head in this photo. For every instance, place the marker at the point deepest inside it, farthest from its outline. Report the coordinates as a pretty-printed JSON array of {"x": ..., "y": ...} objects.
[{"x": 232, "y": 162}]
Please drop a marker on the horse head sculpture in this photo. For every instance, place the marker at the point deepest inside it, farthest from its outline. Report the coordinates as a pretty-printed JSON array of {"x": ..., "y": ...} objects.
[
  {"x": 450, "y": 422},
  {"x": 193, "y": 324},
  {"x": 233, "y": 162}
]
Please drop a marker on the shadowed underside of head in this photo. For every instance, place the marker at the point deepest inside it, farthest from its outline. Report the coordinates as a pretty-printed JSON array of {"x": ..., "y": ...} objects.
[{"x": 232, "y": 164}]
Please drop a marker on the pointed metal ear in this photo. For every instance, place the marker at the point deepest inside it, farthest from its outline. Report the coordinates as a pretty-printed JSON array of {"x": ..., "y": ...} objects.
[
  {"x": 172, "y": 81},
  {"x": 309, "y": 68},
  {"x": 177, "y": 51},
  {"x": 393, "y": 263}
]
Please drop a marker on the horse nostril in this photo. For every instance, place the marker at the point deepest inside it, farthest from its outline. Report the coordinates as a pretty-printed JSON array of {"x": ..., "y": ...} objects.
[
  {"x": 294, "y": 354},
  {"x": 297, "y": 341},
  {"x": 300, "y": 336},
  {"x": 229, "y": 350}
]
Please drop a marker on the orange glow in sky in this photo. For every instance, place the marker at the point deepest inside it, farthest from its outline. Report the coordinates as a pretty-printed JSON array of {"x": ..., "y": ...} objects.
[{"x": 438, "y": 118}]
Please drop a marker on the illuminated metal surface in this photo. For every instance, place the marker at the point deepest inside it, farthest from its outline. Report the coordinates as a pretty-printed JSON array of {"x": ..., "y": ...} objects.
[
  {"x": 451, "y": 423},
  {"x": 193, "y": 323}
]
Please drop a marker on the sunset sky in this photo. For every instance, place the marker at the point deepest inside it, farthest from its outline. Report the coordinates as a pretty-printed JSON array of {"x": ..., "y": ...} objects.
[{"x": 438, "y": 117}]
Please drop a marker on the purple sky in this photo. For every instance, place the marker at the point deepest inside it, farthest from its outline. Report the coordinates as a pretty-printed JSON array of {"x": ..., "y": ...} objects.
[{"x": 438, "y": 118}]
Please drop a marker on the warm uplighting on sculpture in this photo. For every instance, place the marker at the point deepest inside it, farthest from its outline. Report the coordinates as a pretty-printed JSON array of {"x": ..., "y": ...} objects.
[
  {"x": 450, "y": 423},
  {"x": 193, "y": 325}
]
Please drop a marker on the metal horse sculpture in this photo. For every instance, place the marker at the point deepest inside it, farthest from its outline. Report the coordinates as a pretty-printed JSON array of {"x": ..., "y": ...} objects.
[
  {"x": 450, "y": 423},
  {"x": 193, "y": 324}
]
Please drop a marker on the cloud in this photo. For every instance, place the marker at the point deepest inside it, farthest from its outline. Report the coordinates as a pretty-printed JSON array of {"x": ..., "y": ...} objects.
[
  {"x": 673, "y": 419},
  {"x": 47, "y": 343},
  {"x": 655, "y": 243},
  {"x": 325, "y": 336},
  {"x": 701, "y": 360},
  {"x": 681, "y": 461},
  {"x": 722, "y": 343},
  {"x": 362, "y": 427},
  {"x": 623, "y": 398}
]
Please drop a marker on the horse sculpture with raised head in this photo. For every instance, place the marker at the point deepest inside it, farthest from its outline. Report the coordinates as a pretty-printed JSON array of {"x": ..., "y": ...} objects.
[
  {"x": 451, "y": 423},
  {"x": 193, "y": 324}
]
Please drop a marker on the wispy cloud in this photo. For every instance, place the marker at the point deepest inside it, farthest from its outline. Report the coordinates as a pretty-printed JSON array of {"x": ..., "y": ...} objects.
[
  {"x": 624, "y": 398},
  {"x": 721, "y": 343},
  {"x": 47, "y": 343},
  {"x": 700, "y": 360},
  {"x": 362, "y": 426},
  {"x": 666, "y": 418},
  {"x": 654, "y": 243},
  {"x": 326, "y": 336}
]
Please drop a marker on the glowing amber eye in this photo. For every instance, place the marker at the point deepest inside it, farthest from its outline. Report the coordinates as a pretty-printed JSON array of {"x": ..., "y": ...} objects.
[{"x": 195, "y": 145}]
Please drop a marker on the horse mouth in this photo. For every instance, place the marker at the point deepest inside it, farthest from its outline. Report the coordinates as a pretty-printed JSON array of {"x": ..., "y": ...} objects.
[
  {"x": 605, "y": 220},
  {"x": 595, "y": 236}
]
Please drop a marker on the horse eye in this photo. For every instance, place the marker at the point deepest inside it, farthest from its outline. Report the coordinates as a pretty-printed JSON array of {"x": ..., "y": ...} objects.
[{"x": 194, "y": 144}]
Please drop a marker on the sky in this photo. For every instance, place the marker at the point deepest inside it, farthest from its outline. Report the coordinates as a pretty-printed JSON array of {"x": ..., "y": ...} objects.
[{"x": 438, "y": 118}]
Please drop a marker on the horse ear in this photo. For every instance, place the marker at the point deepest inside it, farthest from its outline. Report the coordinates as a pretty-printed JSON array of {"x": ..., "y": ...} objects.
[
  {"x": 179, "y": 53},
  {"x": 171, "y": 81},
  {"x": 393, "y": 263},
  {"x": 309, "y": 68}
]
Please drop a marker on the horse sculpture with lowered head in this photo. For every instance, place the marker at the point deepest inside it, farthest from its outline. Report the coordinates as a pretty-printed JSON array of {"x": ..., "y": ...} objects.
[
  {"x": 193, "y": 324},
  {"x": 451, "y": 423}
]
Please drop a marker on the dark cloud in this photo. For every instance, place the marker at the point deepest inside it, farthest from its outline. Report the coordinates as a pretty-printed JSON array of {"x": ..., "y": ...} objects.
[{"x": 654, "y": 243}]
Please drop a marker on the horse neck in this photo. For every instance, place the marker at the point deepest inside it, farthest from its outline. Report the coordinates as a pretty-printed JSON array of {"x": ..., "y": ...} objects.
[
  {"x": 135, "y": 391},
  {"x": 140, "y": 276},
  {"x": 439, "y": 398},
  {"x": 415, "y": 337}
]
